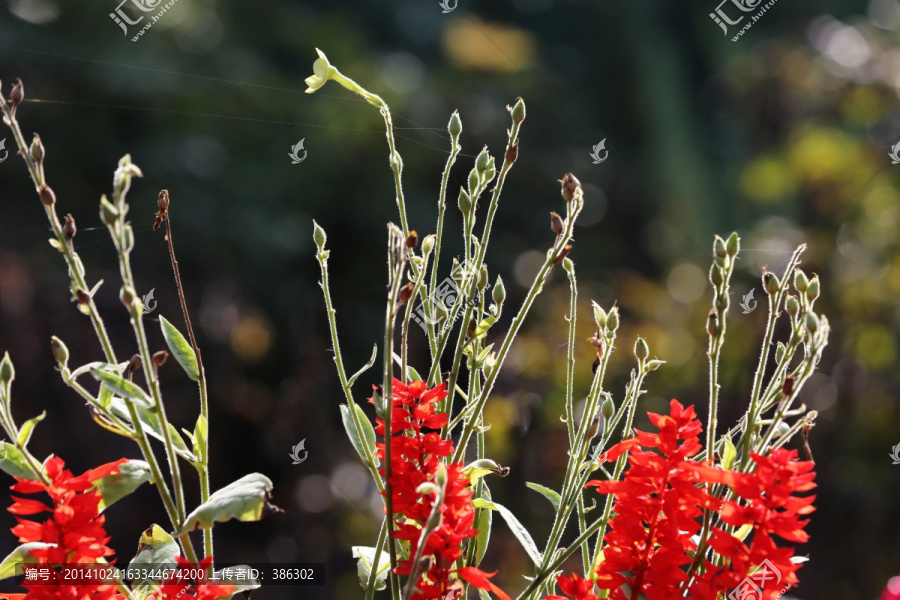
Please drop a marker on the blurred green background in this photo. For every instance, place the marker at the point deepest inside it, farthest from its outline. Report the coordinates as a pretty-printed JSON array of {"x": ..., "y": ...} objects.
[{"x": 782, "y": 136}]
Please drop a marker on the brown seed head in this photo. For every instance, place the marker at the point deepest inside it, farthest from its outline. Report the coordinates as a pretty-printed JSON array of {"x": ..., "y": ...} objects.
[
  {"x": 69, "y": 229},
  {"x": 570, "y": 184},
  {"x": 159, "y": 358},
  {"x": 17, "y": 94},
  {"x": 47, "y": 196},
  {"x": 413, "y": 239},
  {"x": 556, "y": 223}
]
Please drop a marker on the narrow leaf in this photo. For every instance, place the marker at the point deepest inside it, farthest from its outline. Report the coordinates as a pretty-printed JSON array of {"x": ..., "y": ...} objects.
[
  {"x": 484, "y": 466},
  {"x": 12, "y": 564},
  {"x": 367, "y": 438},
  {"x": 483, "y": 521},
  {"x": 178, "y": 441},
  {"x": 729, "y": 453},
  {"x": 123, "y": 387},
  {"x": 27, "y": 429},
  {"x": 546, "y": 492},
  {"x": 131, "y": 475},
  {"x": 365, "y": 367},
  {"x": 515, "y": 526},
  {"x": 201, "y": 431},
  {"x": 246, "y": 499},
  {"x": 180, "y": 348},
  {"x": 13, "y": 462}
]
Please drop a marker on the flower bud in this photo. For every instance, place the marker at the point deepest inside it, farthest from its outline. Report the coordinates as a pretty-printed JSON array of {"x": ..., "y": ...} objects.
[
  {"x": 780, "y": 349},
  {"x": 641, "y": 350},
  {"x": 788, "y": 386},
  {"x": 800, "y": 281},
  {"x": 474, "y": 179},
  {"x": 721, "y": 301},
  {"x": 455, "y": 124},
  {"x": 720, "y": 261},
  {"x": 319, "y": 236},
  {"x": 813, "y": 291},
  {"x": 612, "y": 319},
  {"x": 781, "y": 428},
  {"x": 654, "y": 364},
  {"x": 17, "y": 94},
  {"x": 490, "y": 170},
  {"x": 607, "y": 408},
  {"x": 570, "y": 185},
  {"x": 60, "y": 352},
  {"x": 405, "y": 293},
  {"x": 47, "y": 196},
  {"x": 562, "y": 254},
  {"x": 159, "y": 358},
  {"x": 771, "y": 283},
  {"x": 518, "y": 111},
  {"x": 792, "y": 305},
  {"x": 812, "y": 322},
  {"x": 7, "y": 371},
  {"x": 428, "y": 244},
  {"x": 82, "y": 296},
  {"x": 556, "y": 223},
  {"x": 716, "y": 276},
  {"x": 465, "y": 201},
  {"x": 712, "y": 323},
  {"x": 109, "y": 214},
  {"x": 719, "y": 248},
  {"x": 499, "y": 292},
  {"x": 596, "y": 425},
  {"x": 483, "y": 160},
  {"x": 512, "y": 152},
  {"x": 126, "y": 295},
  {"x": 37, "y": 149},
  {"x": 413, "y": 239},
  {"x": 599, "y": 315},
  {"x": 69, "y": 229},
  {"x": 134, "y": 365},
  {"x": 733, "y": 245}
]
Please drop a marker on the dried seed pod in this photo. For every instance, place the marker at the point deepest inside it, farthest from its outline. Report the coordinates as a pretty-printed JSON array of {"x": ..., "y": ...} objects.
[
  {"x": 788, "y": 386},
  {"x": 135, "y": 364},
  {"x": 405, "y": 293},
  {"x": 512, "y": 152},
  {"x": 413, "y": 239},
  {"x": 37, "y": 150},
  {"x": 712, "y": 323},
  {"x": 562, "y": 254},
  {"x": 17, "y": 94},
  {"x": 556, "y": 223},
  {"x": 162, "y": 204},
  {"x": 60, "y": 352},
  {"x": 159, "y": 358},
  {"x": 82, "y": 296},
  {"x": 570, "y": 185},
  {"x": 69, "y": 229},
  {"x": 47, "y": 196},
  {"x": 595, "y": 365}
]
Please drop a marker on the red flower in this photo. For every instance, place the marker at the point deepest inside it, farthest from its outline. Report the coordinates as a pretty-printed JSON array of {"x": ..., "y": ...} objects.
[
  {"x": 179, "y": 586},
  {"x": 648, "y": 550},
  {"x": 415, "y": 459},
  {"x": 892, "y": 590},
  {"x": 75, "y": 528}
]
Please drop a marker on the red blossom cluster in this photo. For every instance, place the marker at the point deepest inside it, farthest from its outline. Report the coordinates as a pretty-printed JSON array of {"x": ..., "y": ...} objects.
[
  {"x": 416, "y": 455},
  {"x": 179, "y": 587},
  {"x": 650, "y": 549}
]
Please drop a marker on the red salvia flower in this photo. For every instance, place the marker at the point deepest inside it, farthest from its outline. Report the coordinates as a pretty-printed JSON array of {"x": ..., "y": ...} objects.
[
  {"x": 415, "y": 459},
  {"x": 180, "y": 587},
  {"x": 75, "y": 528},
  {"x": 648, "y": 549}
]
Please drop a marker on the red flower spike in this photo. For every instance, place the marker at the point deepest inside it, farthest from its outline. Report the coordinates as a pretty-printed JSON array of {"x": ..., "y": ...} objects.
[{"x": 415, "y": 457}]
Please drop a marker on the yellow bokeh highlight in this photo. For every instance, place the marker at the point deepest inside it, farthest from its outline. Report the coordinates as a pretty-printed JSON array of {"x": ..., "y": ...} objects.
[{"x": 474, "y": 44}]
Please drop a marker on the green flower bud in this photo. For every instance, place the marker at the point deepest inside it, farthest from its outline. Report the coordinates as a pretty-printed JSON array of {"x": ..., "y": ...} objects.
[
  {"x": 771, "y": 283},
  {"x": 792, "y": 305},
  {"x": 499, "y": 293},
  {"x": 455, "y": 125},
  {"x": 716, "y": 276},
  {"x": 654, "y": 364},
  {"x": 641, "y": 350},
  {"x": 60, "y": 352},
  {"x": 599, "y": 316},
  {"x": 474, "y": 180},
  {"x": 721, "y": 301},
  {"x": 720, "y": 261},
  {"x": 612, "y": 320},
  {"x": 518, "y": 111},
  {"x": 781, "y": 428},
  {"x": 812, "y": 322},
  {"x": 813, "y": 291},
  {"x": 568, "y": 265},
  {"x": 719, "y": 248},
  {"x": 483, "y": 160},
  {"x": 800, "y": 281},
  {"x": 428, "y": 244},
  {"x": 465, "y": 201},
  {"x": 109, "y": 214},
  {"x": 482, "y": 278},
  {"x": 319, "y": 236},
  {"x": 490, "y": 170},
  {"x": 127, "y": 238},
  {"x": 607, "y": 408},
  {"x": 733, "y": 245},
  {"x": 37, "y": 149},
  {"x": 780, "y": 349},
  {"x": 7, "y": 371},
  {"x": 127, "y": 296}
]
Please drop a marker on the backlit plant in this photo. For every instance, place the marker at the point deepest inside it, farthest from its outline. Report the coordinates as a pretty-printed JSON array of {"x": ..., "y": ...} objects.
[{"x": 680, "y": 513}]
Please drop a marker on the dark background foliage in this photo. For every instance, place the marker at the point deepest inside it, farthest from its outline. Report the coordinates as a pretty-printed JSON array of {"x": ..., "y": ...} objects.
[{"x": 782, "y": 136}]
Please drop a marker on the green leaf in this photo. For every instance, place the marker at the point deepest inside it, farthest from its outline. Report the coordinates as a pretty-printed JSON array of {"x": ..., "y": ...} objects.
[
  {"x": 150, "y": 424},
  {"x": 366, "y": 556},
  {"x": 483, "y": 327},
  {"x": 360, "y": 442},
  {"x": 365, "y": 367},
  {"x": 180, "y": 348},
  {"x": 27, "y": 429},
  {"x": 484, "y": 466},
  {"x": 104, "y": 398},
  {"x": 12, "y": 564},
  {"x": 13, "y": 462},
  {"x": 201, "y": 432},
  {"x": 132, "y": 473},
  {"x": 411, "y": 373},
  {"x": 178, "y": 442},
  {"x": 483, "y": 520},
  {"x": 515, "y": 526},
  {"x": 123, "y": 387},
  {"x": 729, "y": 453},
  {"x": 157, "y": 549},
  {"x": 96, "y": 366},
  {"x": 246, "y": 499},
  {"x": 546, "y": 492}
]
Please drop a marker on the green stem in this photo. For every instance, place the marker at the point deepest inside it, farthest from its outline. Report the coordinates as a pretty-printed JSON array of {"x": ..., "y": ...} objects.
[{"x": 373, "y": 573}]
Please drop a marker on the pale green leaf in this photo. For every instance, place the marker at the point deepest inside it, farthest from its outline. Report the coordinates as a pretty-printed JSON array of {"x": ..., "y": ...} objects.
[
  {"x": 123, "y": 387},
  {"x": 132, "y": 473},
  {"x": 367, "y": 438},
  {"x": 366, "y": 556},
  {"x": 13, "y": 462},
  {"x": 483, "y": 520},
  {"x": 28, "y": 429},
  {"x": 546, "y": 492},
  {"x": 484, "y": 466},
  {"x": 157, "y": 549},
  {"x": 181, "y": 349},
  {"x": 246, "y": 499},
  {"x": 729, "y": 453},
  {"x": 515, "y": 526},
  {"x": 12, "y": 564}
]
